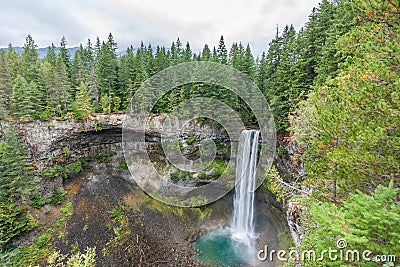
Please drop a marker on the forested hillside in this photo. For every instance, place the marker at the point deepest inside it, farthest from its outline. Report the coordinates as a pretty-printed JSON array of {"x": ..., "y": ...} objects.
[
  {"x": 333, "y": 88},
  {"x": 98, "y": 79}
]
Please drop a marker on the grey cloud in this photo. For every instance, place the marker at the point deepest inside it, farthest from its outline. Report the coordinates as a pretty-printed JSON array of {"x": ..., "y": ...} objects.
[{"x": 156, "y": 22}]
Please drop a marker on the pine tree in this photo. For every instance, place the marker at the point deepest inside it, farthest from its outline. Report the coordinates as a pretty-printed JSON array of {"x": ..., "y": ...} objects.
[
  {"x": 161, "y": 60},
  {"x": 107, "y": 66},
  {"x": 206, "y": 53},
  {"x": 16, "y": 175},
  {"x": 187, "y": 53},
  {"x": 5, "y": 86},
  {"x": 30, "y": 60},
  {"x": 13, "y": 62},
  {"x": 97, "y": 47},
  {"x": 64, "y": 92},
  {"x": 64, "y": 55},
  {"x": 365, "y": 222},
  {"x": 222, "y": 52},
  {"x": 81, "y": 107},
  {"x": 26, "y": 103},
  {"x": 126, "y": 75},
  {"x": 79, "y": 70},
  {"x": 13, "y": 222},
  {"x": 16, "y": 181},
  {"x": 149, "y": 59},
  {"x": 51, "y": 55}
]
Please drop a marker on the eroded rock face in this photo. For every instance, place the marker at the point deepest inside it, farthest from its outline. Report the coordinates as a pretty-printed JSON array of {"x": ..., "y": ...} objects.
[
  {"x": 49, "y": 139},
  {"x": 61, "y": 142}
]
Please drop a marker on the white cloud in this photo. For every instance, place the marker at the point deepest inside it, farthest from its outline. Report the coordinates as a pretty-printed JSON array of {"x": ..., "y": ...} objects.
[{"x": 156, "y": 21}]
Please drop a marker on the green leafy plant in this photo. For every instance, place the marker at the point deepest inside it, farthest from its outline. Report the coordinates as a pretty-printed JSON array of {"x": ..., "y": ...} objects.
[{"x": 123, "y": 165}]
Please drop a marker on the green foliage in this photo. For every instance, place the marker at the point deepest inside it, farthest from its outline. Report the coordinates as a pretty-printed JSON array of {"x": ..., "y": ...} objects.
[
  {"x": 103, "y": 156},
  {"x": 123, "y": 165},
  {"x": 13, "y": 222},
  {"x": 276, "y": 185},
  {"x": 67, "y": 210},
  {"x": 34, "y": 254},
  {"x": 350, "y": 123},
  {"x": 179, "y": 175},
  {"x": 366, "y": 222},
  {"x": 52, "y": 172},
  {"x": 58, "y": 196},
  {"x": 73, "y": 168},
  {"x": 81, "y": 107},
  {"x": 116, "y": 214},
  {"x": 77, "y": 259},
  {"x": 105, "y": 104},
  {"x": 26, "y": 99},
  {"x": 16, "y": 175},
  {"x": 37, "y": 201},
  {"x": 191, "y": 140}
]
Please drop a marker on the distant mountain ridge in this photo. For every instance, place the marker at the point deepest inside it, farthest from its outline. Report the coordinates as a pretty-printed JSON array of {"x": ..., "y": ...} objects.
[{"x": 42, "y": 51}]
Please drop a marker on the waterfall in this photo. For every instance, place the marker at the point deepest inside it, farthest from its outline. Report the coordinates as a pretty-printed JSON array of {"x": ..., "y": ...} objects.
[
  {"x": 235, "y": 244},
  {"x": 242, "y": 226}
]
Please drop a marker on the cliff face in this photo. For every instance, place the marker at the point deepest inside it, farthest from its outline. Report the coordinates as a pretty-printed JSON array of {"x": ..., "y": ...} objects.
[
  {"x": 61, "y": 142},
  {"x": 48, "y": 139}
]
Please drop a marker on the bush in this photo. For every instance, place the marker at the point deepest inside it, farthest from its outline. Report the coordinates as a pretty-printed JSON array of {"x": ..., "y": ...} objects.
[
  {"x": 52, "y": 172},
  {"x": 37, "y": 201},
  {"x": 123, "y": 165},
  {"x": 73, "y": 168},
  {"x": 366, "y": 222},
  {"x": 58, "y": 196},
  {"x": 103, "y": 156},
  {"x": 13, "y": 222},
  {"x": 179, "y": 175}
]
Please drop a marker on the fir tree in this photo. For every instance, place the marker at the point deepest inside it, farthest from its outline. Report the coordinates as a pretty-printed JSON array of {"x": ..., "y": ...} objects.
[
  {"x": 222, "y": 52},
  {"x": 29, "y": 60},
  {"x": 81, "y": 107},
  {"x": 16, "y": 175}
]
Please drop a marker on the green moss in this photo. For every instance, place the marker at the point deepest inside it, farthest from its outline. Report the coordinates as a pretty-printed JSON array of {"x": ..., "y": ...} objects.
[
  {"x": 191, "y": 140},
  {"x": 38, "y": 201},
  {"x": 53, "y": 172},
  {"x": 122, "y": 165},
  {"x": 103, "y": 156}
]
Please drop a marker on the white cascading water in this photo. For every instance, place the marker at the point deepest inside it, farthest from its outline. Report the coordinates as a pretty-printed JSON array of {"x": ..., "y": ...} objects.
[{"x": 242, "y": 226}]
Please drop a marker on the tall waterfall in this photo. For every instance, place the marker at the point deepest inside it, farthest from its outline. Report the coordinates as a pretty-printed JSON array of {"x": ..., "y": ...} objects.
[{"x": 243, "y": 206}]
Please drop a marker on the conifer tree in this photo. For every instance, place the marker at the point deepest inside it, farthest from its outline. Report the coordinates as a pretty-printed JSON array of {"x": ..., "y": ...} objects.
[
  {"x": 51, "y": 55},
  {"x": 222, "y": 52},
  {"x": 206, "y": 53},
  {"x": 30, "y": 60},
  {"x": 82, "y": 107},
  {"x": 5, "y": 86},
  {"x": 26, "y": 99},
  {"x": 64, "y": 55},
  {"x": 16, "y": 175},
  {"x": 13, "y": 62}
]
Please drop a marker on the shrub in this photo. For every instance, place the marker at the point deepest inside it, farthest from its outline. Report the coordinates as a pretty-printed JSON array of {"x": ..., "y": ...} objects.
[
  {"x": 37, "y": 201},
  {"x": 58, "y": 196},
  {"x": 123, "y": 165}
]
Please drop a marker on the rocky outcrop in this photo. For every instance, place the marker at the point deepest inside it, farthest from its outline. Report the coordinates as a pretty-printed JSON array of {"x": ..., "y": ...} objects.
[
  {"x": 293, "y": 217},
  {"x": 49, "y": 139},
  {"x": 61, "y": 142}
]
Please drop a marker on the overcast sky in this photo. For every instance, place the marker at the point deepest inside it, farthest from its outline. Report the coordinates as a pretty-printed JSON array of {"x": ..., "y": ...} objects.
[{"x": 156, "y": 21}]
